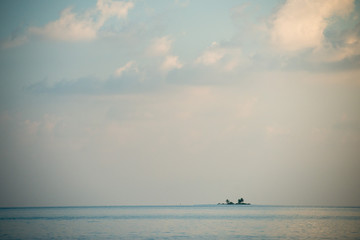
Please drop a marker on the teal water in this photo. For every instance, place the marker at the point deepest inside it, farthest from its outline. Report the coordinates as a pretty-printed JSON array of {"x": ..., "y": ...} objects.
[{"x": 180, "y": 222}]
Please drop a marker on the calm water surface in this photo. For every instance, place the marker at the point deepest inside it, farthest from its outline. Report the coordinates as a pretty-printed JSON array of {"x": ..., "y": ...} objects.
[{"x": 180, "y": 222}]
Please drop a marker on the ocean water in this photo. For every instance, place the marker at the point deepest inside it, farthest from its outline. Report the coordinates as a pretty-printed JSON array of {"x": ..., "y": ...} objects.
[{"x": 180, "y": 222}]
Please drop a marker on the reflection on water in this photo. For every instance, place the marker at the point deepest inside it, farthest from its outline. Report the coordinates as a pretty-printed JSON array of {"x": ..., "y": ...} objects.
[{"x": 188, "y": 222}]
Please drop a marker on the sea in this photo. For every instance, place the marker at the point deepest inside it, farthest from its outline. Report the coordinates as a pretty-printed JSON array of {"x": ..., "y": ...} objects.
[{"x": 181, "y": 222}]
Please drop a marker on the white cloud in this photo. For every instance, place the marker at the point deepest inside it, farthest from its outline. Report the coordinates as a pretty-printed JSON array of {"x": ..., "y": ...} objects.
[
  {"x": 160, "y": 46},
  {"x": 69, "y": 27},
  {"x": 224, "y": 57},
  {"x": 170, "y": 63},
  {"x": 79, "y": 27},
  {"x": 131, "y": 65},
  {"x": 110, "y": 8},
  {"x": 211, "y": 55},
  {"x": 300, "y": 24}
]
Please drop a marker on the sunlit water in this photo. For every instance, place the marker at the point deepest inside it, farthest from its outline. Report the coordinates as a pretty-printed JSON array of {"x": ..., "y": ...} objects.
[{"x": 180, "y": 222}]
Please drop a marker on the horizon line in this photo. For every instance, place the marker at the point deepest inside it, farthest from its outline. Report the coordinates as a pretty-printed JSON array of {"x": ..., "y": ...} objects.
[{"x": 179, "y": 205}]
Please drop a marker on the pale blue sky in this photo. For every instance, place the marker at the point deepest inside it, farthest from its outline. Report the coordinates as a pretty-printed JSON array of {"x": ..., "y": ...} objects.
[{"x": 167, "y": 102}]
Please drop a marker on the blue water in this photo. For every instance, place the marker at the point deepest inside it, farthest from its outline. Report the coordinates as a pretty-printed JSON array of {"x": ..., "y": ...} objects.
[{"x": 180, "y": 222}]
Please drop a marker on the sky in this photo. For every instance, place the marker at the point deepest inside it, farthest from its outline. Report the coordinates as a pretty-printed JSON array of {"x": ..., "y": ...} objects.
[{"x": 179, "y": 102}]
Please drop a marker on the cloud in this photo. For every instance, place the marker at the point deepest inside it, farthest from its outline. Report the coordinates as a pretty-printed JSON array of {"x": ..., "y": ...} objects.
[
  {"x": 79, "y": 27},
  {"x": 14, "y": 41},
  {"x": 111, "y": 8},
  {"x": 226, "y": 57},
  {"x": 182, "y": 3},
  {"x": 170, "y": 63},
  {"x": 300, "y": 25},
  {"x": 48, "y": 125},
  {"x": 345, "y": 44},
  {"x": 131, "y": 65},
  {"x": 18, "y": 37},
  {"x": 211, "y": 55},
  {"x": 31, "y": 127},
  {"x": 160, "y": 46},
  {"x": 126, "y": 82},
  {"x": 69, "y": 27}
]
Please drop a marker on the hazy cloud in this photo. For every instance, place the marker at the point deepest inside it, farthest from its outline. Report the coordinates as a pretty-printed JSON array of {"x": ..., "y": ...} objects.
[
  {"x": 111, "y": 8},
  {"x": 129, "y": 66},
  {"x": 211, "y": 56},
  {"x": 171, "y": 62},
  {"x": 70, "y": 27},
  {"x": 76, "y": 27},
  {"x": 226, "y": 58},
  {"x": 14, "y": 41},
  {"x": 160, "y": 46},
  {"x": 182, "y": 3},
  {"x": 123, "y": 82}
]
